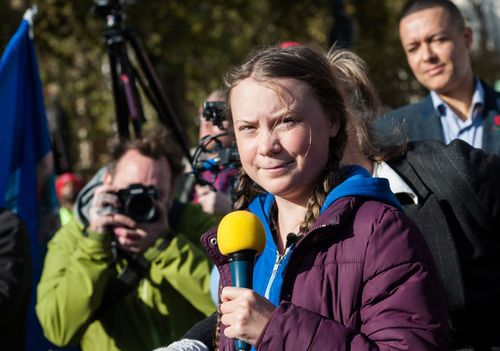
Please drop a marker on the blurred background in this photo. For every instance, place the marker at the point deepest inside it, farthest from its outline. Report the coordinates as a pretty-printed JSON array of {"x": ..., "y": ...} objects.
[{"x": 192, "y": 43}]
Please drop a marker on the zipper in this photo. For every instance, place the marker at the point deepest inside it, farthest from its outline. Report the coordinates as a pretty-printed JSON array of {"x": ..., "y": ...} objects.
[
  {"x": 294, "y": 253},
  {"x": 277, "y": 263},
  {"x": 276, "y": 266}
]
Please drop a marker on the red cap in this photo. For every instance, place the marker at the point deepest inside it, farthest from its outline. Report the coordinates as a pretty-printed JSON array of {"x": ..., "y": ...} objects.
[
  {"x": 68, "y": 177},
  {"x": 287, "y": 44}
]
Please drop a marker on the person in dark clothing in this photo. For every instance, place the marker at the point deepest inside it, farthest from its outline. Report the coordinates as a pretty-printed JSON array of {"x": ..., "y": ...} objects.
[
  {"x": 15, "y": 281},
  {"x": 452, "y": 192}
]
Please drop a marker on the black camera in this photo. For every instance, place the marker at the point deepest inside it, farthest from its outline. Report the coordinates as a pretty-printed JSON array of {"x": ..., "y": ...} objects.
[
  {"x": 215, "y": 112},
  {"x": 139, "y": 202}
]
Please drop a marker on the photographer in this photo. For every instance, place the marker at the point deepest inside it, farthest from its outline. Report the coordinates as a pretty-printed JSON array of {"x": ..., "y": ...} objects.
[
  {"x": 127, "y": 274},
  {"x": 214, "y": 136}
]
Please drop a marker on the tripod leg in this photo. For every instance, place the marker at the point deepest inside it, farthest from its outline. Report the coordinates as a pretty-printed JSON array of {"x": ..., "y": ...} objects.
[
  {"x": 118, "y": 97},
  {"x": 165, "y": 110},
  {"x": 133, "y": 103},
  {"x": 131, "y": 95}
]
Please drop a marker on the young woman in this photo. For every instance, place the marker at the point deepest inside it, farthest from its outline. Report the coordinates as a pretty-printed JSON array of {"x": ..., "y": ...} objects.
[{"x": 343, "y": 267}]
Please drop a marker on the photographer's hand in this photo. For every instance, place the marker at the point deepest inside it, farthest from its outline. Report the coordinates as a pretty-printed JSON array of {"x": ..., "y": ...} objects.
[
  {"x": 213, "y": 202},
  {"x": 101, "y": 214},
  {"x": 138, "y": 237}
]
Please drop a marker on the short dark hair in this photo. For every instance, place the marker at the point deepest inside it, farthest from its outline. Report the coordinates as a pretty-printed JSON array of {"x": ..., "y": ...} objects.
[
  {"x": 155, "y": 144},
  {"x": 413, "y": 6}
]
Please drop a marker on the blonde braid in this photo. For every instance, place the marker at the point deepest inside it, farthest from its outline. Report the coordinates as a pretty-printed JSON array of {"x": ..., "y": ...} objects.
[
  {"x": 245, "y": 191},
  {"x": 328, "y": 179}
]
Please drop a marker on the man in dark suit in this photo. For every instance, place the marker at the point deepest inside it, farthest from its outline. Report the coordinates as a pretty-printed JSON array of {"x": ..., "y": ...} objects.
[
  {"x": 437, "y": 45},
  {"x": 452, "y": 193},
  {"x": 458, "y": 192}
]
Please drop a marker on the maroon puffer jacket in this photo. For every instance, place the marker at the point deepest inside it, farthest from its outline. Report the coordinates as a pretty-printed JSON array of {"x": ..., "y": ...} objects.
[{"x": 361, "y": 279}]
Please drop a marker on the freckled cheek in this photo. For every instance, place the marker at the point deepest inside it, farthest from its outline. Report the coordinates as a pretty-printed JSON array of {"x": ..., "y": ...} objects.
[
  {"x": 247, "y": 150},
  {"x": 296, "y": 143},
  {"x": 246, "y": 161}
]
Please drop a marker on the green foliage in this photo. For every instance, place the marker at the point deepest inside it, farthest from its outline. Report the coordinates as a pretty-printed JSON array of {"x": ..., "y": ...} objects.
[{"x": 191, "y": 44}]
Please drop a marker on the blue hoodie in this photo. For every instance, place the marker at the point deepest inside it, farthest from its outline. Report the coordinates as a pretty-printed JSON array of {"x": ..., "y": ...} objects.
[{"x": 270, "y": 266}]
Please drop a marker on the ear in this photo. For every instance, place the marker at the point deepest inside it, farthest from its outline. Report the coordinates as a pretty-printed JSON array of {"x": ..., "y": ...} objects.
[
  {"x": 334, "y": 128},
  {"x": 468, "y": 35},
  {"x": 107, "y": 179}
]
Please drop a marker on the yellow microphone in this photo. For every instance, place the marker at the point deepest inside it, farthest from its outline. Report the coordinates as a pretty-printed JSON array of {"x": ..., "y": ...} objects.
[{"x": 241, "y": 236}]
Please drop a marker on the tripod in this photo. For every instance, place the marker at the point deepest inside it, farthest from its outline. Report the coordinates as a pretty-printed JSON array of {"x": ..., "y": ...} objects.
[{"x": 125, "y": 77}]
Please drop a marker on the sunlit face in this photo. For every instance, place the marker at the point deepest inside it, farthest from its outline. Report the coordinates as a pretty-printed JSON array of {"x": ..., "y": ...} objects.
[
  {"x": 437, "y": 49},
  {"x": 282, "y": 134},
  {"x": 134, "y": 168}
]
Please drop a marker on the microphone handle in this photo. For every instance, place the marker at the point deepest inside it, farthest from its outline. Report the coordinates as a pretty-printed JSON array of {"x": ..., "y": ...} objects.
[{"x": 241, "y": 265}]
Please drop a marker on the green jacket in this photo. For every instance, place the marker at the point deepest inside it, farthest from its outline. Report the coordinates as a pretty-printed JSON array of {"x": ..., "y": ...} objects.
[{"x": 168, "y": 300}]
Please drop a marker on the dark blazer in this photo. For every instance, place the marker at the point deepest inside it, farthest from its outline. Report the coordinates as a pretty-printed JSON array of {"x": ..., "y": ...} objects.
[
  {"x": 458, "y": 188},
  {"x": 420, "y": 121}
]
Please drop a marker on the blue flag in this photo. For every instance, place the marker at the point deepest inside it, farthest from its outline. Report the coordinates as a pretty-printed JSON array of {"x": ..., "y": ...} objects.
[
  {"x": 25, "y": 152},
  {"x": 24, "y": 134}
]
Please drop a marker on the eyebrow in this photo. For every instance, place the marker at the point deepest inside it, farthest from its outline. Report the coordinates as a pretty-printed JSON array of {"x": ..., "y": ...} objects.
[
  {"x": 427, "y": 38},
  {"x": 279, "y": 115}
]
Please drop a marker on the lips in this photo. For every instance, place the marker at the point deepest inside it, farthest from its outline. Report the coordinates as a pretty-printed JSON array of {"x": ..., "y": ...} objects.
[
  {"x": 278, "y": 166},
  {"x": 435, "y": 70},
  {"x": 276, "y": 169}
]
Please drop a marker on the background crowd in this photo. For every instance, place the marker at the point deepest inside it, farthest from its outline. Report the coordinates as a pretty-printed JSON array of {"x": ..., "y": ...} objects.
[
  {"x": 111, "y": 258},
  {"x": 192, "y": 44}
]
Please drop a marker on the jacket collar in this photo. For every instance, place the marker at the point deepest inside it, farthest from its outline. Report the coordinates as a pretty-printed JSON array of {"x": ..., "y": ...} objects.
[
  {"x": 491, "y": 132},
  {"x": 427, "y": 123},
  {"x": 337, "y": 213}
]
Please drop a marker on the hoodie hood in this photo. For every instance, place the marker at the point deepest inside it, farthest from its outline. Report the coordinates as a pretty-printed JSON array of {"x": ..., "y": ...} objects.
[
  {"x": 357, "y": 183},
  {"x": 84, "y": 198},
  {"x": 361, "y": 183}
]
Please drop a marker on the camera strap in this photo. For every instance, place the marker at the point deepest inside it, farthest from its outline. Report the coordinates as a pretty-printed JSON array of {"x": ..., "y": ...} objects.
[
  {"x": 124, "y": 282},
  {"x": 129, "y": 277},
  {"x": 137, "y": 266}
]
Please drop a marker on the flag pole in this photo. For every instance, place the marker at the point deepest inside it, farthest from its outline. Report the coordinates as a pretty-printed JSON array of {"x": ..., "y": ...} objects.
[{"x": 29, "y": 15}]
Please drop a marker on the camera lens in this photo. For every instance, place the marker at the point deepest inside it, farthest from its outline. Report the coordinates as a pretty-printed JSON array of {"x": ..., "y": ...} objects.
[
  {"x": 141, "y": 208},
  {"x": 138, "y": 202}
]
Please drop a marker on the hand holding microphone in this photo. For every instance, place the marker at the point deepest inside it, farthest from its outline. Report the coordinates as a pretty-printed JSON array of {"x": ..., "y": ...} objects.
[{"x": 241, "y": 236}]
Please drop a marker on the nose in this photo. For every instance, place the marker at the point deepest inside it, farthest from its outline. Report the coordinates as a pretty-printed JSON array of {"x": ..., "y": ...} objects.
[
  {"x": 269, "y": 144},
  {"x": 428, "y": 54}
]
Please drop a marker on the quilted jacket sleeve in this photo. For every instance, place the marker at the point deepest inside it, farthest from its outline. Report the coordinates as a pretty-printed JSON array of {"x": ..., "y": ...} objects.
[{"x": 401, "y": 305}]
